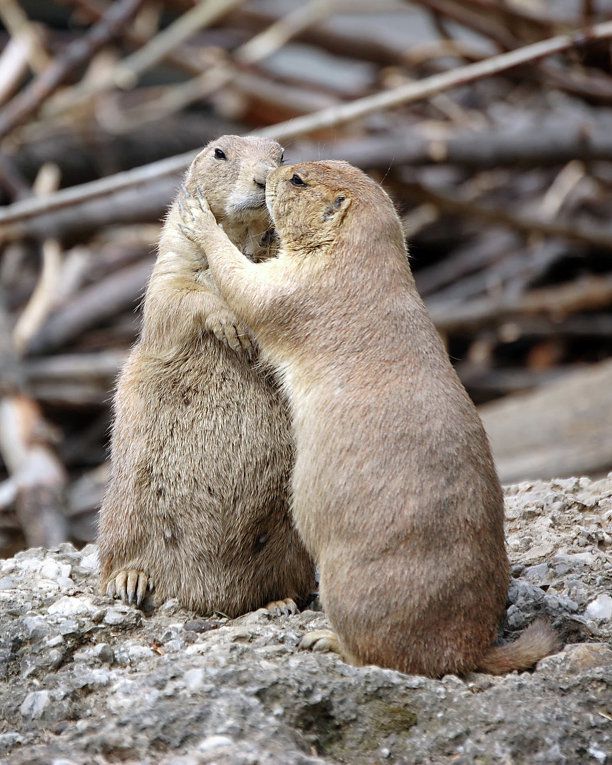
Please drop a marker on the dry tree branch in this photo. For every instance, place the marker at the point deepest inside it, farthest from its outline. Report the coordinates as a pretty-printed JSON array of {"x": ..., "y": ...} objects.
[
  {"x": 13, "y": 66},
  {"x": 201, "y": 15},
  {"x": 438, "y": 83},
  {"x": 14, "y": 219},
  {"x": 479, "y": 22},
  {"x": 280, "y": 32},
  {"x": 28, "y": 101}
]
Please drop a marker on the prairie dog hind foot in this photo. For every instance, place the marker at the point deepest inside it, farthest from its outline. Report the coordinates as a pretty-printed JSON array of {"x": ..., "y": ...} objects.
[
  {"x": 285, "y": 607},
  {"x": 321, "y": 641},
  {"x": 130, "y": 586}
]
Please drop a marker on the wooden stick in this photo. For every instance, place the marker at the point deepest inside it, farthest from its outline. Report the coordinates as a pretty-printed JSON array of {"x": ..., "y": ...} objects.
[{"x": 45, "y": 293}]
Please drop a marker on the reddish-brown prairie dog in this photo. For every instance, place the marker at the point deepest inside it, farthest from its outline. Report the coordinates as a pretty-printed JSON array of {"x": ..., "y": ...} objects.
[
  {"x": 394, "y": 489},
  {"x": 197, "y": 505}
]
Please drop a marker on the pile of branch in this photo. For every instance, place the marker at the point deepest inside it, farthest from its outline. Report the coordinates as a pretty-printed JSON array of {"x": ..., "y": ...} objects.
[{"x": 488, "y": 121}]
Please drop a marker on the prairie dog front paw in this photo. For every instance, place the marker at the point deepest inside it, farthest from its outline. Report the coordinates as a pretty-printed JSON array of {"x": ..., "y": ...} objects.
[
  {"x": 196, "y": 216},
  {"x": 227, "y": 329}
]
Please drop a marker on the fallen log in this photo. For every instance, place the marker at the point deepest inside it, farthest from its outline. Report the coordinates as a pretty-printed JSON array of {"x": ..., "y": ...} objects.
[{"x": 562, "y": 429}]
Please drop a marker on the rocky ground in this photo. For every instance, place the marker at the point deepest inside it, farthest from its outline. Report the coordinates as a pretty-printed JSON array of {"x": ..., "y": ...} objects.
[{"x": 86, "y": 680}]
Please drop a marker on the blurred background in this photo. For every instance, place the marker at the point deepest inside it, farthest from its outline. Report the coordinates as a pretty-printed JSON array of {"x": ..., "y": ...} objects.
[{"x": 503, "y": 185}]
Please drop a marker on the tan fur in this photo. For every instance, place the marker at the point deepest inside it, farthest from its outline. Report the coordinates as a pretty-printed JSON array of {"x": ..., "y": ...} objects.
[
  {"x": 197, "y": 505},
  {"x": 394, "y": 489}
]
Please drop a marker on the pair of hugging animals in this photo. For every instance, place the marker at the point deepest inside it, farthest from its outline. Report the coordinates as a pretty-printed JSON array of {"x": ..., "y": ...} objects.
[{"x": 351, "y": 407}]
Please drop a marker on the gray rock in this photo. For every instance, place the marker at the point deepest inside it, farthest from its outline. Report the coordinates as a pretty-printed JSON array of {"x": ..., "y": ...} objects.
[{"x": 90, "y": 680}]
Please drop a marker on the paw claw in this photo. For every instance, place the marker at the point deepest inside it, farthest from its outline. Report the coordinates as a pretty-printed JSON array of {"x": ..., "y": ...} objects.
[{"x": 121, "y": 585}]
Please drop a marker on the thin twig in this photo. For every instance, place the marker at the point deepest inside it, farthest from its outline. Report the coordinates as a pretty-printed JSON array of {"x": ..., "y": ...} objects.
[
  {"x": 21, "y": 28},
  {"x": 13, "y": 66}
]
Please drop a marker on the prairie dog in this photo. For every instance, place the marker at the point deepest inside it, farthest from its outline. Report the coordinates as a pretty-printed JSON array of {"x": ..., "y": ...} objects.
[
  {"x": 197, "y": 504},
  {"x": 394, "y": 489}
]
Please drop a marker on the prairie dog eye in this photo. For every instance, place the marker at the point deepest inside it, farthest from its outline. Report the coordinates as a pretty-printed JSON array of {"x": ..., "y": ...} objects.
[
  {"x": 296, "y": 180},
  {"x": 282, "y": 156},
  {"x": 220, "y": 154}
]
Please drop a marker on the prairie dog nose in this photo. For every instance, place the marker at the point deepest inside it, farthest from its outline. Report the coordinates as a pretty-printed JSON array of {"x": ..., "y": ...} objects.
[{"x": 260, "y": 173}]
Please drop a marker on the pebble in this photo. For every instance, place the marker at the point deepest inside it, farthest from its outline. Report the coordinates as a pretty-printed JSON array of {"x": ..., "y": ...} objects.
[
  {"x": 537, "y": 573},
  {"x": 36, "y": 627},
  {"x": 7, "y": 583},
  {"x": 200, "y": 625},
  {"x": 123, "y": 616},
  {"x": 90, "y": 562},
  {"x": 34, "y": 704},
  {"x": 68, "y": 606},
  {"x": 210, "y": 743},
  {"x": 600, "y": 608},
  {"x": 9, "y": 740},
  {"x": 50, "y": 569},
  {"x": 69, "y": 627},
  {"x": 138, "y": 652},
  {"x": 114, "y": 616}
]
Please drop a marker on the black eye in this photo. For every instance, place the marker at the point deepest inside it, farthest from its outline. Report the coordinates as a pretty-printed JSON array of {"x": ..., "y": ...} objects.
[
  {"x": 220, "y": 154},
  {"x": 282, "y": 158},
  {"x": 296, "y": 180}
]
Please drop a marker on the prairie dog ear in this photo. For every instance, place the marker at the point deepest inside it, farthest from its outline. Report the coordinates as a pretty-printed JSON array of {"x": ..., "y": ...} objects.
[{"x": 337, "y": 208}]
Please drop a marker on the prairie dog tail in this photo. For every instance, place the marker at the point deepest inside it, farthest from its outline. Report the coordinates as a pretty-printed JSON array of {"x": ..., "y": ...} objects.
[{"x": 536, "y": 642}]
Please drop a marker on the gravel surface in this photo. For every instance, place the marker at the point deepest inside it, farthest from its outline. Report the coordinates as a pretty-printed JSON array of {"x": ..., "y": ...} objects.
[{"x": 88, "y": 680}]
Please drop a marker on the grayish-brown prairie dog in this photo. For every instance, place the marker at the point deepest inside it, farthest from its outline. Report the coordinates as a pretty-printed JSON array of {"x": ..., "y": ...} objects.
[
  {"x": 197, "y": 505},
  {"x": 394, "y": 490}
]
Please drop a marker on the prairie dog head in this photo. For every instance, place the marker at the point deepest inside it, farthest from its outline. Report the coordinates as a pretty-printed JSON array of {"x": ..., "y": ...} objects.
[
  {"x": 231, "y": 172},
  {"x": 316, "y": 204},
  {"x": 309, "y": 202}
]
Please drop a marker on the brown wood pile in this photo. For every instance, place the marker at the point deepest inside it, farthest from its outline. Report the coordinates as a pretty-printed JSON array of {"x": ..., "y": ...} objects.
[{"x": 489, "y": 122}]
